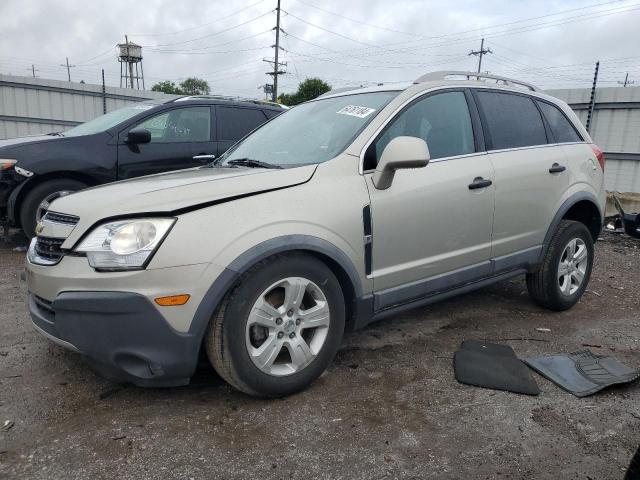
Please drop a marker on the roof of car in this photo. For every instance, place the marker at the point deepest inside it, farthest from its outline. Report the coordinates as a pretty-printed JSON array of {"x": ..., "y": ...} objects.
[
  {"x": 442, "y": 78},
  {"x": 221, "y": 100}
]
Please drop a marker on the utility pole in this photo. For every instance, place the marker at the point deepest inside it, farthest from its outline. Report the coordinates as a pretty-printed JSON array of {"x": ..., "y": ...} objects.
[
  {"x": 34, "y": 70},
  {"x": 69, "y": 67},
  {"x": 276, "y": 64},
  {"x": 592, "y": 100},
  {"x": 480, "y": 53},
  {"x": 104, "y": 94},
  {"x": 626, "y": 81}
]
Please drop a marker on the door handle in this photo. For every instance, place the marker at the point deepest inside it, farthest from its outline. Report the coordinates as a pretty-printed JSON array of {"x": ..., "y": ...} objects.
[
  {"x": 557, "y": 168},
  {"x": 479, "y": 182},
  {"x": 204, "y": 157}
]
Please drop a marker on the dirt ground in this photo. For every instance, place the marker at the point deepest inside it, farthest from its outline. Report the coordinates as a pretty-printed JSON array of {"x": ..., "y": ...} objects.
[{"x": 389, "y": 406}]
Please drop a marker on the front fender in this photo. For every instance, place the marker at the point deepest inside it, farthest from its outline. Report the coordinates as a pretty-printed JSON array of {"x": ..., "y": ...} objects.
[{"x": 225, "y": 280}]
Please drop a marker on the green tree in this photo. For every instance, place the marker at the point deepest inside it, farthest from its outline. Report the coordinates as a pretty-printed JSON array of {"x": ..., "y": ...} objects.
[
  {"x": 190, "y": 86},
  {"x": 194, "y": 86},
  {"x": 167, "y": 86},
  {"x": 309, "y": 89}
]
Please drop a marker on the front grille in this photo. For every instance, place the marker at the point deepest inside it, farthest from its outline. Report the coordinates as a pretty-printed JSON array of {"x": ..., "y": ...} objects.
[
  {"x": 61, "y": 218},
  {"x": 49, "y": 248}
]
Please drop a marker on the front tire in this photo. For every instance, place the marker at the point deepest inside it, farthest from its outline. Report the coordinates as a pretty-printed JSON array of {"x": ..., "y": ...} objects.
[
  {"x": 566, "y": 269},
  {"x": 37, "y": 201},
  {"x": 279, "y": 328}
]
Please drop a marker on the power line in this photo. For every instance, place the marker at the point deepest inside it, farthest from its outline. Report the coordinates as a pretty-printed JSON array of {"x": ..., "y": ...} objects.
[
  {"x": 218, "y": 20},
  {"x": 520, "y": 29},
  {"x": 466, "y": 31},
  {"x": 195, "y": 49},
  {"x": 211, "y": 34}
]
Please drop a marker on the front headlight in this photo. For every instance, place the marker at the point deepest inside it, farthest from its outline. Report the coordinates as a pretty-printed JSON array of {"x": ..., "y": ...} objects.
[
  {"x": 124, "y": 244},
  {"x": 7, "y": 163}
]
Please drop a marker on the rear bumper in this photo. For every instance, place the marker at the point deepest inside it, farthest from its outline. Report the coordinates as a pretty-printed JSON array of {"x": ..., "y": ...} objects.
[{"x": 121, "y": 333}]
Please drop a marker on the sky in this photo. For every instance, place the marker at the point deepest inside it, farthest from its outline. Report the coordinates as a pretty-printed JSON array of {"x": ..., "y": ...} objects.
[{"x": 553, "y": 44}]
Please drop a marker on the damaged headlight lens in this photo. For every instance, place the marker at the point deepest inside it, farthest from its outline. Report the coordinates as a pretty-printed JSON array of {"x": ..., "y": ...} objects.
[{"x": 124, "y": 244}]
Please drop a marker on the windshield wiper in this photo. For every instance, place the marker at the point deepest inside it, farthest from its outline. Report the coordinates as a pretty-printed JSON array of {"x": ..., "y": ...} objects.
[
  {"x": 56, "y": 134},
  {"x": 251, "y": 163}
]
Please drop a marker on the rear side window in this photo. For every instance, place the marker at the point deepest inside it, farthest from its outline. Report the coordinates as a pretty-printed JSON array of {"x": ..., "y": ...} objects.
[
  {"x": 190, "y": 124},
  {"x": 561, "y": 127},
  {"x": 271, "y": 113},
  {"x": 513, "y": 120},
  {"x": 442, "y": 120},
  {"x": 234, "y": 123}
]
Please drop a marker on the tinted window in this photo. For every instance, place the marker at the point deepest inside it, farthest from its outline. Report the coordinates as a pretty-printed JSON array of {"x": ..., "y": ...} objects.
[
  {"x": 191, "y": 124},
  {"x": 235, "y": 123},
  {"x": 513, "y": 120},
  {"x": 272, "y": 113},
  {"x": 441, "y": 120},
  {"x": 561, "y": 128}
]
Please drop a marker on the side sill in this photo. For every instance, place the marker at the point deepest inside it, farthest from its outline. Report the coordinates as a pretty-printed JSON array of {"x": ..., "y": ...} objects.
[{"x": 436, "y": 297}]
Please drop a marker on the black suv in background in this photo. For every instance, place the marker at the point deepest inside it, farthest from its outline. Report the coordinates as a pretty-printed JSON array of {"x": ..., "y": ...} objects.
[{"x": 140, "y": 139}]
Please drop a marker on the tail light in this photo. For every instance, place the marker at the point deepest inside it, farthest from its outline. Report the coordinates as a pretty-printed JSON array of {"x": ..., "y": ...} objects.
[{"x": 599, "y": 154}]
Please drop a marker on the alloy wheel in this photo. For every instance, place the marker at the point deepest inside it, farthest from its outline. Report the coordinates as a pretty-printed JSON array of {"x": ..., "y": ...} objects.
[
  {"x": 573, "y": 266},
  {"x": 287, "y": 326}
]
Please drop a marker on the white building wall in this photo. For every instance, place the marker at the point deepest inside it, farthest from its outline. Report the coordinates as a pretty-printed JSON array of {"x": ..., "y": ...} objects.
[
  {"x": 31, "y": 106},
  {"x": 615, "y": 127}
]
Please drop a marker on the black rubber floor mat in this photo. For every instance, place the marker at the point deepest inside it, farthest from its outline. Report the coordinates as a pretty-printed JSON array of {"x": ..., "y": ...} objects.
[
  {"x": 583, "y": 373},
  {"x": 494, "y": 366}
]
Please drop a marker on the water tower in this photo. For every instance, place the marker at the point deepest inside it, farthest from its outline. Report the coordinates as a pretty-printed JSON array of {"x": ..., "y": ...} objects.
[{"x": 129, "y": 56}]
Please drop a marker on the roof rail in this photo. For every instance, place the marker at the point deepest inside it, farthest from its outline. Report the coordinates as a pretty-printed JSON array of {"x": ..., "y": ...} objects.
[
  {"x": 230, "y": 98},
  {"x": 339, "y": 90},
  {"x": 442, "y": 75}
]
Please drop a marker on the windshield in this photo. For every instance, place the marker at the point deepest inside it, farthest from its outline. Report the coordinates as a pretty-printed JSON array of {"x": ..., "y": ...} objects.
[
  {"x": 313, "y": 132},
  {"x": 111, "y": 119}
]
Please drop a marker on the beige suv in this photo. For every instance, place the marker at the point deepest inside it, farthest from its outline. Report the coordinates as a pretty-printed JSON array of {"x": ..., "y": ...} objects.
[{"x": 342, "y": 211}]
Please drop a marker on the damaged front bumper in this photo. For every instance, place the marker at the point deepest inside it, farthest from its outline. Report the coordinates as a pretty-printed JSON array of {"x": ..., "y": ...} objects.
[{"x": 122, "y": 335}]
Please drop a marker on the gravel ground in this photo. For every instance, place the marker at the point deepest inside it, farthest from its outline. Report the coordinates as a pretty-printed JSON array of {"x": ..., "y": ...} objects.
[{"x": 389, "y": 406}]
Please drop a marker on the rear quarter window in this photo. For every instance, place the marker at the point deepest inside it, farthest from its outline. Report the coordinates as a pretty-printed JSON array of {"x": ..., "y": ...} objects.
[
  {"x": 272, "y": 113},
  {"x": 561, "y": 128},
  {"x": 234, "y": 123},
  {"x": 513, "y": 120}
]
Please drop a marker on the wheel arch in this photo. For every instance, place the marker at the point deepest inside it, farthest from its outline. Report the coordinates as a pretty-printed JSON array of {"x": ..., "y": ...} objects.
[
  {"x": 19, "y": 194},
  {"x": 326, "y": 252},
  {"x": 581, "y": 207}
]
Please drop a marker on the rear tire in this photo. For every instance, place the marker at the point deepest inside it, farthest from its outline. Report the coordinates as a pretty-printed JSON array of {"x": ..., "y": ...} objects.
[
  {"x": 37, "y": 200},
  {"x": 256, "y": 317},
  {"x": 566, "y": 269}
]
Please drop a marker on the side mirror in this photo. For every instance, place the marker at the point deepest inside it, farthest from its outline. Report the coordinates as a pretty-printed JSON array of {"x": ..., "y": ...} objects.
[
  {"x": 138, "y": 135},
  {"x": 401, "y": 152}
]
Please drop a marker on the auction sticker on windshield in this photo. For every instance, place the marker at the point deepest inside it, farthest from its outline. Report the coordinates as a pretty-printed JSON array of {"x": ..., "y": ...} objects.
[{"x": 356, "y": 111}]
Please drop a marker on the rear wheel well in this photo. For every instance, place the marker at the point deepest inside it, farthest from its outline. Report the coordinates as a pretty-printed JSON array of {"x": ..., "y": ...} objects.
[
  {"x": 586, "y": 212},
  {"x": 40, "y": 179}
]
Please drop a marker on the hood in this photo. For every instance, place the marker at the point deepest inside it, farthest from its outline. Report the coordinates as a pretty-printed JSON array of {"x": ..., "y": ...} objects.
[
  {"x": 12, "y": 142},
  {"x": 176, "y": 192}
]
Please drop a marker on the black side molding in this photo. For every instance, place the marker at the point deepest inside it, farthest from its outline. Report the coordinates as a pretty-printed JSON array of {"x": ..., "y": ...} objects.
[{"x": 368, "y": 238}]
